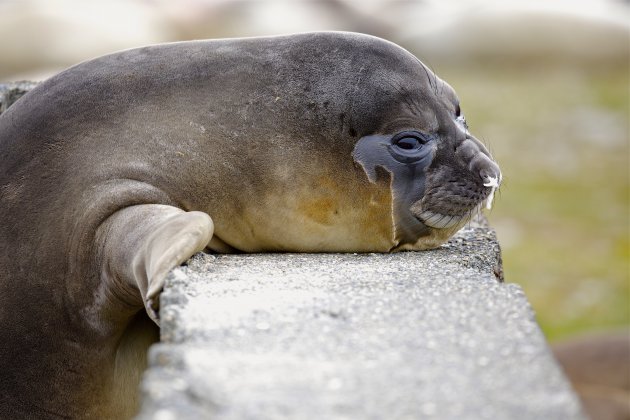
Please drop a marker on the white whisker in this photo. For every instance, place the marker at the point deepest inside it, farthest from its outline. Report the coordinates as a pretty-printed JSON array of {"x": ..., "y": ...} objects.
[{"x": 491, "y": 182}]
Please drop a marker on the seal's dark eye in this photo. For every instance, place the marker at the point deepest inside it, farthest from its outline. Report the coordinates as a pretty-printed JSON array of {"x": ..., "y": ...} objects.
[
  {"x": 408, "y": 147},
  {"x": 458, "y": 111},
  {"x": 408, "y": 141}
]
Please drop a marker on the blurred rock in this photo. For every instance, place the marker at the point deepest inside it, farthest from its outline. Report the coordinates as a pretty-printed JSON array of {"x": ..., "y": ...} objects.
[
  {"x": 596, "y": 32},
  {"x": 11, "y": 92},
  {"x": 47, "y": 37},
  {"x": 53, "y": 36},
  {"x": 598, "y": 366}
]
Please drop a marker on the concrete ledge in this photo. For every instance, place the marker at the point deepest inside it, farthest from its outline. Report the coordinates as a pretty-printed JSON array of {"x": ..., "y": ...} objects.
[{"x": 346, "y": 336}]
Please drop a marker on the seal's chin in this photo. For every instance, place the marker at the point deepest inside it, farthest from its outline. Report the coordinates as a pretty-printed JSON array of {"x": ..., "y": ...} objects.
[
  {"x": 450, "y": 207},
  {"x": 427, "y": 224},
  {"x": 432, "y": 237},
  {"x": 446, "y": 221}
]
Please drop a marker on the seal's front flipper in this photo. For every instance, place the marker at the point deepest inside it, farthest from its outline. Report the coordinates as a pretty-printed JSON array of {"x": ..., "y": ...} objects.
[
  {"x": 174, "y": 240},
  {"x": 141, "y": 244}
]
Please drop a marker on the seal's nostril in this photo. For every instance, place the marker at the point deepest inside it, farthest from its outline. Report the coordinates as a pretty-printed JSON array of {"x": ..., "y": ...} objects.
[{"x": 489, "y": 172}]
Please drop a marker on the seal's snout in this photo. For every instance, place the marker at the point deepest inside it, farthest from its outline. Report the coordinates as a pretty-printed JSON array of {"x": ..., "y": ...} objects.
[
  {"x": 472, "y": 154},
  {"x": 458, "y": 188}
]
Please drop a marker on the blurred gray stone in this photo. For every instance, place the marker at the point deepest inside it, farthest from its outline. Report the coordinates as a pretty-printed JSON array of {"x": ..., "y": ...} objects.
[
  {"x": 11, "y": 92},
  {"x": 352, "y": 336}
]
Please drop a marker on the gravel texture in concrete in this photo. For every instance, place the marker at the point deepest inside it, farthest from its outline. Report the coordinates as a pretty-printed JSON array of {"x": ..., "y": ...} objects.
[{"x": 410, "y": 335}]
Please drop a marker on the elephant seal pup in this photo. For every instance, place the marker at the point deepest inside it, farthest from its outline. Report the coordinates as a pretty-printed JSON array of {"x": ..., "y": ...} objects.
[{"x": 118, "y": 169}]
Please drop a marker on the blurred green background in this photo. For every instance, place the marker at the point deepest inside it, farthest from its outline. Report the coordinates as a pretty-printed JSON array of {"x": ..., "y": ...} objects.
[{"x": 545, "y": 83}]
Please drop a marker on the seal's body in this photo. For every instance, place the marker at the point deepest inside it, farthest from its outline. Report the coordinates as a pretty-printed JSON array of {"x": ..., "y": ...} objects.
[{"x": 118, "y": 169}]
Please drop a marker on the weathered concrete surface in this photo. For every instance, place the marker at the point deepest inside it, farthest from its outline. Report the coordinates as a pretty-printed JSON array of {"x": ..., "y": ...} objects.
[{"x": 332, "y": 336}]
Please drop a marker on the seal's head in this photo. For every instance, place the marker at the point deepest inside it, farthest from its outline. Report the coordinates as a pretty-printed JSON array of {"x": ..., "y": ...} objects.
[{"x": 440, "y": 175}]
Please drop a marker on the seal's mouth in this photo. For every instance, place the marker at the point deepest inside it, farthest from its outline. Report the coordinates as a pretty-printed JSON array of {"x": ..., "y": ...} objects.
[{"x": 444, "y": 220}]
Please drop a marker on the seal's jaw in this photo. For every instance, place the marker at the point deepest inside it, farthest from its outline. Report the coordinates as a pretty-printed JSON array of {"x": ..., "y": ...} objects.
[
  {"x": 433, "y": 239},
  {"x": 445, "y": 221},
  {"x": 452, "y": 198}
]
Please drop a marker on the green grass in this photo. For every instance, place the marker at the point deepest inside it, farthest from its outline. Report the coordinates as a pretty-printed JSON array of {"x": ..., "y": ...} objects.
[{"x": 561, "y": 136}]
